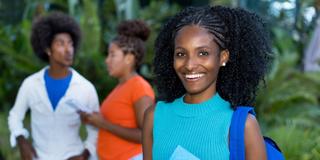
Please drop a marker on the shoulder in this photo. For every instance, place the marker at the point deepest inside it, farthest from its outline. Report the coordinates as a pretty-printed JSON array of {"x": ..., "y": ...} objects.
[
  {"x": 140, "y": 87},
  {"x": 140, "y": 81},
  {"x": 32, "y": 79},
  {"x": 253, "y": 136},
  {"x": 78, "y": 78},
  {"x": 251, "y": 123},
  {"x": 160, "y": 107}
]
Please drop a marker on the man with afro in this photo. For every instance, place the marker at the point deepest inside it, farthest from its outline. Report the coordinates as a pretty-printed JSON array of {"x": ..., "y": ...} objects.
[{"x": 54, "y": 95}]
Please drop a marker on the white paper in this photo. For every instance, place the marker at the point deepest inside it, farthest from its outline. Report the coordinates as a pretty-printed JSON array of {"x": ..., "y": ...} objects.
[
  {"x": 78, "y": 106},
  {"x": 181, "y": 153}
]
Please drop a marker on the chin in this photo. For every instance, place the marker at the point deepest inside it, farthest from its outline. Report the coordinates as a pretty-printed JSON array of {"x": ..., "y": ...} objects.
[
  {"x": 112, "y": 75},
  {"x": 68, "y": 63},
  {"x": 193, "y": 91}
]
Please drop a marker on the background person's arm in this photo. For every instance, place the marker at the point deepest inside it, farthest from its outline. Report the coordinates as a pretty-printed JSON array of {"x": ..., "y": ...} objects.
[
  {"x": 130, "y": 134},
  {"x": 147, "y": 135}
]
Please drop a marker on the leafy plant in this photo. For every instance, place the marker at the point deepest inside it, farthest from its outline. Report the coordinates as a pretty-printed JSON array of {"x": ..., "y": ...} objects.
[{"x": 288, "y": 106}]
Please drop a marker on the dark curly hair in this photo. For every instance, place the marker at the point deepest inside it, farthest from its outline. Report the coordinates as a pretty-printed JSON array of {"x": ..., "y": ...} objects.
[
  {"x": 131, "y": 37},
  {"x": 242, "y": 33},
  {"x": 44, "y": 29}
]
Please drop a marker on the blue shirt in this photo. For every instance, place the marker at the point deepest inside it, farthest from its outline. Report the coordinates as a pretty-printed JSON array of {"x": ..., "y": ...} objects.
[
  {"x": 56, "y": 88},
  {"x": 192, "y": 130}
]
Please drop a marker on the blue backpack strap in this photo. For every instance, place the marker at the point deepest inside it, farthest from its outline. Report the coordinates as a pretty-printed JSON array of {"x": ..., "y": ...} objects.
[{"x": 238, "y": 121}]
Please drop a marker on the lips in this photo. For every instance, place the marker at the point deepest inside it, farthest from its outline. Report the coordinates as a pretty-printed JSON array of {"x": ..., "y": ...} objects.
[{"x": 69, "y": 58}]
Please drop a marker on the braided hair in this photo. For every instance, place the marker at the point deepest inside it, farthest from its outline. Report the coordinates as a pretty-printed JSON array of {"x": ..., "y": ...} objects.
[
  {"x": 131, "y": 38},
  {"x": 242, "y": 33}
]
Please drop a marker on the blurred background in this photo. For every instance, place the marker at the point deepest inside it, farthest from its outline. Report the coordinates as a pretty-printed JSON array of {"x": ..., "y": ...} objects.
[{"x": 288, "y": 106}]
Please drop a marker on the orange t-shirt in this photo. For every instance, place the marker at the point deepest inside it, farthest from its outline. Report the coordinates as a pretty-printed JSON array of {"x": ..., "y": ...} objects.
[{"x": 118, "y": 108}]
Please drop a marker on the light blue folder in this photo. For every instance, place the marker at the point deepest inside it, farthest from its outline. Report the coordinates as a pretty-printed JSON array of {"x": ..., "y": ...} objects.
[{"x": 181, "y": 153}]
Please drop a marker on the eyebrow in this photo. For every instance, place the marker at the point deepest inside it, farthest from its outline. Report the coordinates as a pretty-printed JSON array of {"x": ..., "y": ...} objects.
[{"x": 197, "y": 48}]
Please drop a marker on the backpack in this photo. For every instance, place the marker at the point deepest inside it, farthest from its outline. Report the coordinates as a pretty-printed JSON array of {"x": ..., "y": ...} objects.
[{"x": 237, "y": 146}]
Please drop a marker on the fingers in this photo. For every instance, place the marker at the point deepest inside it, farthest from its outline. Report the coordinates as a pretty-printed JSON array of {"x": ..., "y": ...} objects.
[
  {"x": 34, "y": 152},
  {"x": 84, "y": 116}
]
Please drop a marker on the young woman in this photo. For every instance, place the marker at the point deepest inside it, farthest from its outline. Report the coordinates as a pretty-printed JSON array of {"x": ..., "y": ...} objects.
[
  {"x": 121, "y": 119},
  {"x": 208, "y": 61}
]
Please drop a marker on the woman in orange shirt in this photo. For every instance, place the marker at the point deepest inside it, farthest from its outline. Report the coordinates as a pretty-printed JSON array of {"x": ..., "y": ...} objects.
[{"x": 121, "y": 118}]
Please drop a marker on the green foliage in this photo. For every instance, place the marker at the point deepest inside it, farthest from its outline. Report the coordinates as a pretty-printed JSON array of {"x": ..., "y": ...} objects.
[
  {"x": 288, "y": 106},
  {"x": 17, "y": 60},
  {"x": 289, "y": 111},
  {"x": 4, "y": 142},
  {"x": 89, "y": 21},
  {"x": 155, "y": 21}
]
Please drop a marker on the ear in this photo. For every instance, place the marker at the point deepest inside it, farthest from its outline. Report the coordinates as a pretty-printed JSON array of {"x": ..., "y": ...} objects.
[
  {"x": 129, "y": 58},
  {"x": 224, "y": 57},
  {"x": 48, "y": 52}
]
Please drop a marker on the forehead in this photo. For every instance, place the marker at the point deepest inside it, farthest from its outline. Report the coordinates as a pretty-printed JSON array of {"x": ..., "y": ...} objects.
[
  {"x": 62, "y": 36},
  {"x": 114, "y": 46},
  {"x": 193, "y": 34}
]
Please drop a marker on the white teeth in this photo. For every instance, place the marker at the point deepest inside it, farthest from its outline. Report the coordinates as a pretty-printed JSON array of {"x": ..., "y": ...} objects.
[{"x": 193, "y": 76}]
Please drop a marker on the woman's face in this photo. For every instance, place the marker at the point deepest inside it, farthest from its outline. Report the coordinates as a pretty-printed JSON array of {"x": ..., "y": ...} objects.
[
  {"x": 197, "y": 59},
  {"x": 116, "y": 61},
  {"x": 61, "y": 51}
]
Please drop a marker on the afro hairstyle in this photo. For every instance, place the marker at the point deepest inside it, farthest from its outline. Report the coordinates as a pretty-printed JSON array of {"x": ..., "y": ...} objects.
[{"x": 44, "y": 28}]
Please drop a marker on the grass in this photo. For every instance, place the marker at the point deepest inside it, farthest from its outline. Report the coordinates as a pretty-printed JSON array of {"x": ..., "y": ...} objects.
[{"x": 6, "y": 150}]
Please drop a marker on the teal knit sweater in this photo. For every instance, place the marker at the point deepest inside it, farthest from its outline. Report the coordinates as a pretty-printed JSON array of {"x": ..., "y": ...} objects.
[{"x": 201, "y": 130}]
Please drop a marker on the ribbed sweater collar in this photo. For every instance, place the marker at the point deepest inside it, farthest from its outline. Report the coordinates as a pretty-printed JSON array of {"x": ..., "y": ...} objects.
[{"x": 214, "y": 104}]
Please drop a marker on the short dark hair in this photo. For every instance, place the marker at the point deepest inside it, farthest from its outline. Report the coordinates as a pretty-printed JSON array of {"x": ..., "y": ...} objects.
[
  {"x": 131, "y": 37},
  {"x": 241, "y": 32},
  {"x": 44, "y": 29}
]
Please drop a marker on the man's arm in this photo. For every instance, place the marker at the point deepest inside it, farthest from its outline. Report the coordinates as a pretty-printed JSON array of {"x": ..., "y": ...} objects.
[{"x": 15, "y": 122}]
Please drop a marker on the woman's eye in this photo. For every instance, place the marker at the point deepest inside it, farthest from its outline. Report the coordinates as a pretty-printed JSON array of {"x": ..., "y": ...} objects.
[
  {"x": 203, "y": 53},
  {"x": 59, "y": 43},
  {"x": 180, "y": 54}
]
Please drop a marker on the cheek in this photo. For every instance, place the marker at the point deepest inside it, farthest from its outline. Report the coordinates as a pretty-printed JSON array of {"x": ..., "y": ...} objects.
[
  {"x": 57, "y": 52},
  {"x": 177, "y": 63},
  {"x": 175, "y": 67},
  {"x": 71, "y": 50}
]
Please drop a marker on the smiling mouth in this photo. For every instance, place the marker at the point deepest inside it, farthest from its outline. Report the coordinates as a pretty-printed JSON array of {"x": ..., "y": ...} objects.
[{"x": 194, "y": 76}]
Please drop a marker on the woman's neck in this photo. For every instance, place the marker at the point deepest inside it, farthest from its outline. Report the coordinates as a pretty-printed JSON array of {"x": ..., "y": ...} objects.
[
  {"x": 127, "y": 76},
  {"x": 199, "y": 97}
]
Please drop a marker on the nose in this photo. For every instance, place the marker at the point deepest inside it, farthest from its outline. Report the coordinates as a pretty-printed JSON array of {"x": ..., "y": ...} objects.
[
  {"x": 191, "y": 63},
  {"x": 107, "y": 60},
  {"x": 69, "y": 49}
]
